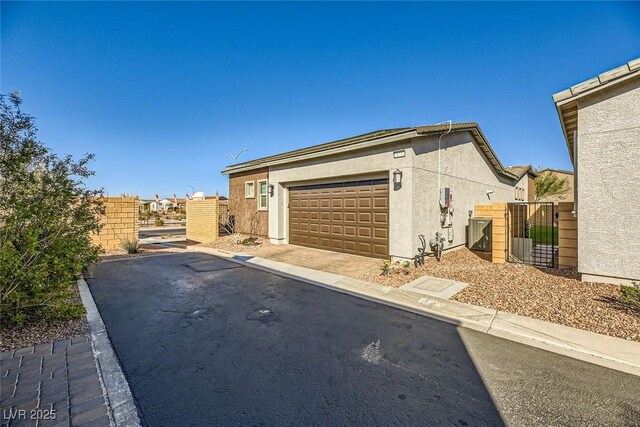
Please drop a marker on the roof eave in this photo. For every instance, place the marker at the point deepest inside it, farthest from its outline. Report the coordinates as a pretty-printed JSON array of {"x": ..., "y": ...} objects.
[{"x": 256, "y": 164}]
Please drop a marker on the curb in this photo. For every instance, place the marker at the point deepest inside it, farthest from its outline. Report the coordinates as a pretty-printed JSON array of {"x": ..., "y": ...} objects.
[
  {"x": 575, "y": 343},
  {"x": 123, "y": 407}
]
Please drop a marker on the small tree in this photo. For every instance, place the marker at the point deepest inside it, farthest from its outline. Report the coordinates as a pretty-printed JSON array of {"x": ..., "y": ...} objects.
[
  {"x": 46, "y": 217},
  {"x": 548, "y": 184}
]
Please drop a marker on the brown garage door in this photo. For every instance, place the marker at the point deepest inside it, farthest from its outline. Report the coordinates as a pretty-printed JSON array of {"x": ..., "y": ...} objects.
[{"x": 351, "y": 217}]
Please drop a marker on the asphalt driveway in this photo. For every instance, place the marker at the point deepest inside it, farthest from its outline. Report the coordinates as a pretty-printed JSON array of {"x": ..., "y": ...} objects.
[{"x": 204, "y": 341}]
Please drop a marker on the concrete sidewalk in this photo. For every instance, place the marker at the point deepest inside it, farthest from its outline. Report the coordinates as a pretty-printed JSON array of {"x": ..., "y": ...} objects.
[{"x": 610, "y": 352}]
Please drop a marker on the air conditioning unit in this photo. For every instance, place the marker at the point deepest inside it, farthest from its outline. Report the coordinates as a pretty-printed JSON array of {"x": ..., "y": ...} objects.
[{"x": 479, "y": 234}]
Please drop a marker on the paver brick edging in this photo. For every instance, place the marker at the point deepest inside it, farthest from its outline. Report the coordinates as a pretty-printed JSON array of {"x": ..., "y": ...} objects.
[
  {"x": 123, "y": 407},
  {"x": 610, "y": 352}
]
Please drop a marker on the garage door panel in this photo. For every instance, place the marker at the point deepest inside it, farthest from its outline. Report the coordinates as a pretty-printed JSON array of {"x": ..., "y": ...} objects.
[
  {"x": 364, "y": 203},
  {"x": 365, "y": 248},
  {"x": 381, "y": 233},
  {"x": 380, "y": 202},
  {"x": 380, "y": 250},
  {"x": 347, "y": 217},
  {"x": 364, "y": 232},
  {"x": 381, "y": 218},
  {"x": 365, "y": 217}
]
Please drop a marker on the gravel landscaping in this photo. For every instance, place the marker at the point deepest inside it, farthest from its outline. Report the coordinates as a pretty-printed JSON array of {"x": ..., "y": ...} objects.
[
  {"x": 553, "y": 295},
  {"x": 144, "y": 250},
  {"x": 42, "y": 331}
]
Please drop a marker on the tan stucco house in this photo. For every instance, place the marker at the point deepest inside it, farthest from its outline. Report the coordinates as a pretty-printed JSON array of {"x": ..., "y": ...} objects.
[
  {"x": 526, "y": 186},
  {"x": 372, "y": 194},
  {"x": 561, "y": 174},
  {"x": 600, "y": 120}
]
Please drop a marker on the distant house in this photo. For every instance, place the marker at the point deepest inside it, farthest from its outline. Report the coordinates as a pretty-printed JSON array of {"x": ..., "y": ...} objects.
[
  {"x": 561, "y": 174},
  {"x": 600, "y": 120},
  {"x": 525, "y": 190}
]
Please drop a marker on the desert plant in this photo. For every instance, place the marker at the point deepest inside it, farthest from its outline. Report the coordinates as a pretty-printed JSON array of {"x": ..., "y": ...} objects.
[
  {"x": 158, "y": 222},
  {"x": 631, "y": 294},
  {"x": 249, "y": 241},
  {"x": 131, "y": 246},
  {"x": 406, "y": 267},
  {"x": 385, "y": 268},
  {"x": 46, "y": 215},
  {"x": 239, "y": 225}
]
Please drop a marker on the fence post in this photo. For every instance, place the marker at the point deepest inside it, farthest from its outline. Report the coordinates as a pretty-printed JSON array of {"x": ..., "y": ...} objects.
[
  {"x": 567, "y": 235},
  {"x": 498, "y": 214}
]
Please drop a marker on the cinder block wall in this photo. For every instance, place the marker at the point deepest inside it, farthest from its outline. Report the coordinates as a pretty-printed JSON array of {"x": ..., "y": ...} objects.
[
  {"x": 202, "y": 220},
  {"x": 497, "y": 212},
  {"x": 567, "y": 235},
  {"x": 120, "y": 222}
]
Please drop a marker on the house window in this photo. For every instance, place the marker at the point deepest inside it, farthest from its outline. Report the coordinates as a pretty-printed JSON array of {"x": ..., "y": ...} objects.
[
  {"x": 249, "y": 190},
  {"x": 262, "y": 195}
]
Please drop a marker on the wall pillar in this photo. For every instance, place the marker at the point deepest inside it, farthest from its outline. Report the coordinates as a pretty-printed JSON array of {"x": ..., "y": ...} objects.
[
  {"x": 498, "y": 214},
  {"x": 567, "y": 235}
]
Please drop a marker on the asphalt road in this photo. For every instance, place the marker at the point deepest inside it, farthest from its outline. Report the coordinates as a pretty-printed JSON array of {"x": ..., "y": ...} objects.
[
  {"x": 204, "y": 341},
  {"x": 178, "y": 231}
]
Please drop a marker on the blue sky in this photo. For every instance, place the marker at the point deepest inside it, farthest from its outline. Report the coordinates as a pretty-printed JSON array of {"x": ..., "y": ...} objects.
[{"x": 160, "y": 92}]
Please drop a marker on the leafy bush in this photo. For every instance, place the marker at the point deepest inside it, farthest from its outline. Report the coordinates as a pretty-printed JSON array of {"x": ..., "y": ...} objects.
[
  {"x": 46, "y": 217},
  {"x": 130, "y": 245},
  {"x": 385, "y": 268},
  {"x": 159, "y": 222},
  {"x": 249, "y": 241},
  {"x": 406, "y": 267},
  {"x": 631, "y": 294}
]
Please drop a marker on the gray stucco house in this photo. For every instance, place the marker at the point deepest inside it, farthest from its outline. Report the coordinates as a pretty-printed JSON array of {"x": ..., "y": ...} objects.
[
  {"x": 600, "y": 119},
  {"x": 373, "y": 194}
]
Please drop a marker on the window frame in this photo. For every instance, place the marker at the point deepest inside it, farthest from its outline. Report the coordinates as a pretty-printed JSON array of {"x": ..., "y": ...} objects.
[
  {"x": 253, "y": 192},
  {"x": 266, "y": 194}
]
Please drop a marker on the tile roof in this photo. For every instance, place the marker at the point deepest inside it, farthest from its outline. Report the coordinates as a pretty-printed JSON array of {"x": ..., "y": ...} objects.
[
  {"x": 379, "y": 136},
  {"x": 520, "y": 170},
  {"x": 567, "y": 100}
]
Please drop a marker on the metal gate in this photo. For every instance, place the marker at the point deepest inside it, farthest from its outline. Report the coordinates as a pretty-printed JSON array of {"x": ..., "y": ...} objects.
[{"x": 532, "y": 230}]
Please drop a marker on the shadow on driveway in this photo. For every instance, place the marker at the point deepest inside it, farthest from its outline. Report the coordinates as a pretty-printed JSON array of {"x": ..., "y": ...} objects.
[{"x": 205, "y": 341}]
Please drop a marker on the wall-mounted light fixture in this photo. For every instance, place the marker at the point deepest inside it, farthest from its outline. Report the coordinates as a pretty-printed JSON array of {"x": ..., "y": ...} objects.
[
  {"x": 271, "y": 190},
  {"x": 397, "y": 177}
]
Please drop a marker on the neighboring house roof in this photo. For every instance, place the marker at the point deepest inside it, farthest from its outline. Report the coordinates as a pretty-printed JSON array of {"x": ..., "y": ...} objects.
[
  {"x": 519, "y": 171},
  {"x": 567, "y": 100},
  {"x": 556, "y": 170},
  {"x": 366, "y": 140}
]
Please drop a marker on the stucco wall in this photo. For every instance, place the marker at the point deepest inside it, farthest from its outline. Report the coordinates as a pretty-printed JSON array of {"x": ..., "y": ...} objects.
[
  {"x": 466, "y": 172},
  {"x": 609, "y": 182},
  {"x": 414, "y": 207},
  {"x": 245, "y": 210}
]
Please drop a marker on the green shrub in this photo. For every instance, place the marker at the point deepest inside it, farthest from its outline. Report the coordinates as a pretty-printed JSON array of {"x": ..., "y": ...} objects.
[
  {"x": 47, "y": 215},
  {"x": 131, "y": 245},
  {"x": 406, "y": 267},
  {"x": 385, "y": 268},
  {"x": 631, "y": 294},
  {"x": 249, "y": 241},
  {"x": 159, "y": 222}
]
